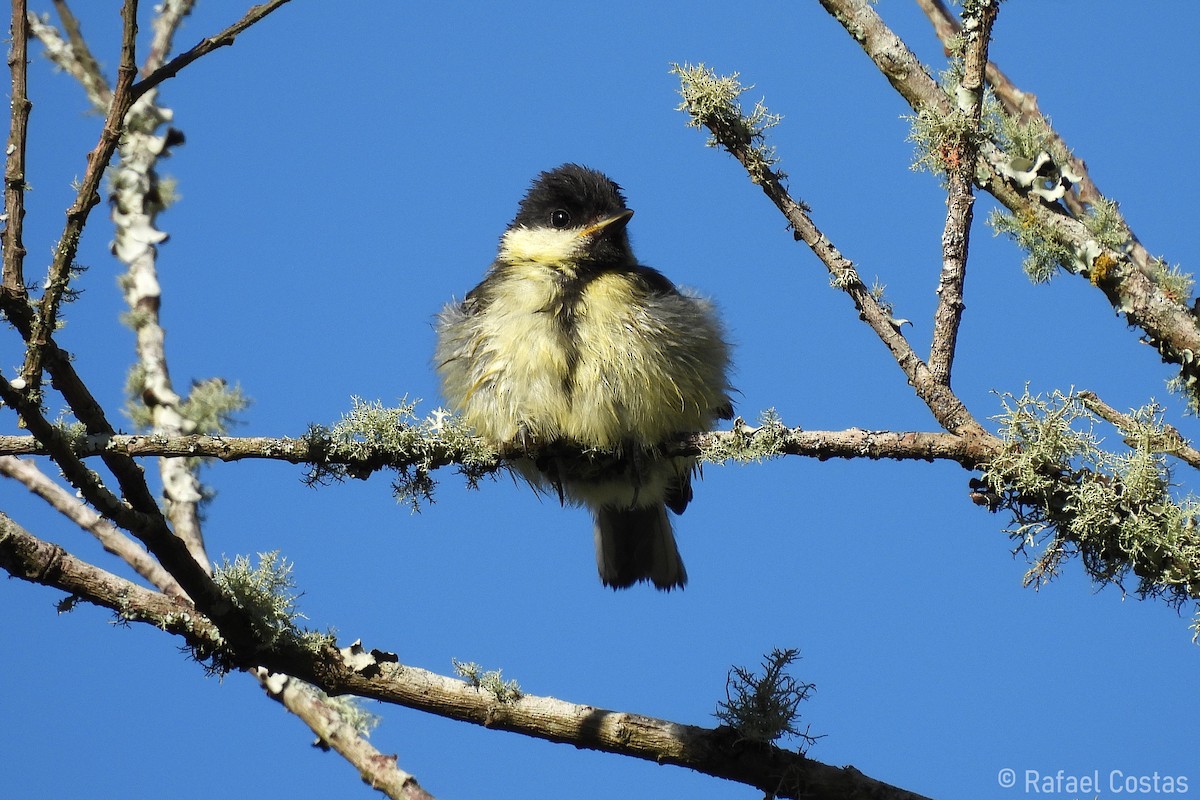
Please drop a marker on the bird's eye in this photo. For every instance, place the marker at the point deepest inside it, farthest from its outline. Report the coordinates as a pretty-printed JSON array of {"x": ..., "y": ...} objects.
[{"x": 560, "y": 218}]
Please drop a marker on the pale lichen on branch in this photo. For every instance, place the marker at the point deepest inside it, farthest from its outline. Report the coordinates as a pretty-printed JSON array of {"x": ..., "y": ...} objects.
[
  {"x": 266, "y": 592},
  {"x": 1069, "y": 495},
  {"x": 712, "y": 102}
]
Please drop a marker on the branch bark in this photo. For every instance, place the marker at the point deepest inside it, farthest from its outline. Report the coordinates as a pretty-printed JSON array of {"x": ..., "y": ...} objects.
[
  {"x": 110, "y": 537},
  {"x": 225, "y": 38},
  {"x": 87, "y": 198},
  {"x": 851, "y": 443},
  {"x": 12, "y": 280},
  {"x": 960, "y": 161}
]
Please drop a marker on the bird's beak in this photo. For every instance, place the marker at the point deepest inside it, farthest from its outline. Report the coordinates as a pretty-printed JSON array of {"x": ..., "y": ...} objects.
[{"x": 614, "y": 223}]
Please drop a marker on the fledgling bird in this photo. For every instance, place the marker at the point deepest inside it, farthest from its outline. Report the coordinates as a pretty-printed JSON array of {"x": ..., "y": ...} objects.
[{"x": 571, "y": 345}]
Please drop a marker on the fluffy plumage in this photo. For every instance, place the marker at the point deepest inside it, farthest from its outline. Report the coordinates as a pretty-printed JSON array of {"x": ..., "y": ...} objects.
[{"x": 569, "y": 344}]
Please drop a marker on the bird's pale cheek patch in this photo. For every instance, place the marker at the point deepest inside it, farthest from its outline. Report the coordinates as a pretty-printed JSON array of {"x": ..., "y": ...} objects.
[{"x": 541, "y": 245}]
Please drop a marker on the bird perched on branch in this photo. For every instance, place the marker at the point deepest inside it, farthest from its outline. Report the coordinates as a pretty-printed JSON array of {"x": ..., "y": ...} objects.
[{"x": 590, "y": 361}]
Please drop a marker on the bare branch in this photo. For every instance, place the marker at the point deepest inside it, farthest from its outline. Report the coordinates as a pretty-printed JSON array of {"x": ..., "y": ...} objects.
[
  {"x": 112, "y": 539},
  {"x": 712, "y": 751},
  {"x": 37, "y": 330},
  {"x": 959, "y": 158},
  {"x": 87, "y": 197},
  {"x": 379, "y": 771},
  {"x": 29, "y": 558},
  {"x": 170, "y": 16},
  {"x": 12, "y": 282},
  {"x": 223, "y": 39},
  {"x": 79, "y": 62}
]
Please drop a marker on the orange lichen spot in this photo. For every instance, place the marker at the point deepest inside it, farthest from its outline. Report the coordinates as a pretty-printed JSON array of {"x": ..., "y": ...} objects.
[{"x": 1101, "y": 266}]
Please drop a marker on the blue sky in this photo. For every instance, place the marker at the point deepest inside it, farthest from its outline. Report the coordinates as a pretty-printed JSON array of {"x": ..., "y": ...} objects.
[{"x": 349, "y": 168}]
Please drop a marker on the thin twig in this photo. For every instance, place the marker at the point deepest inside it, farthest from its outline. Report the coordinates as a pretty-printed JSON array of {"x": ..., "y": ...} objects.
[
  {"x": 88, "y": 73},
  {"x": 87, "y": 198},
  {"x": 1174, "y": 442},
  {"x": 959, "y": 158},
  {"x": 223, "y": 39},
  {"x": 12, "y": 282},
  {"x": 111, "y": 538}
]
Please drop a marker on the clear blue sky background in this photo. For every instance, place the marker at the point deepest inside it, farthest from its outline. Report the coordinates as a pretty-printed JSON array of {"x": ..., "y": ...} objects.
[{"x": 348, "y": 169}]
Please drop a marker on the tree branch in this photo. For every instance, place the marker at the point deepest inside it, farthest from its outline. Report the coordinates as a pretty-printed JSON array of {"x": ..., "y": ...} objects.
[
  {"x": 79, "y": 65},
  {"x": 376, "y": 674},
  {"x": 111, "y": 538},
  {"x": 87, "y": 69},
  {"x": 170, "y": 16},
  {"x": 737, "y": 134},
  {"x": 12, "y": 281},
  {"x": 136, "y": 202},
  {"x": 1024, "y": 106},
  {"x": 959, "y": 158},
  {"x": 223, "y": 39},
  {"x": 88, "y": 196},
  {"x": 717, "y": 446},
  {"x": 1168, "y": 323},
  {"x": 1174, "y": 442},
  {"x": 144, "y": 522},
  {"x": 379, "y": 771}
]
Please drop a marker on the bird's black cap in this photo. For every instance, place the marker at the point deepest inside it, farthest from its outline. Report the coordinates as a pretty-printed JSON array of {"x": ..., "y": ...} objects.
[{"x": 577, "y": 197}]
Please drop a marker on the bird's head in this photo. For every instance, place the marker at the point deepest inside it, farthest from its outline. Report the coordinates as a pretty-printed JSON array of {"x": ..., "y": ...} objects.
[{"x": 571, "y": 214}]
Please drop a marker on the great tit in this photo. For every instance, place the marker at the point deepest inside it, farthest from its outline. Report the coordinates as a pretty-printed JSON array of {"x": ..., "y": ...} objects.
[{"x": 589, "y": 361}]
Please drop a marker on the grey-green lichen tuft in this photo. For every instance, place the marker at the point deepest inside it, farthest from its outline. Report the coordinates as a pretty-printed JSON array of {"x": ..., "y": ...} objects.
[
  {"x": 212, "y": 406},
  {"x": 747, "y": 443},
  {"x": 939, "y": 136},
  {"x": 1114, "y": 509},
  {"x": 373, "y": 436},
  {"x": 266, "y": 593},
  {"x": 712, "y": 102},
  {"x": 351, "y": 711},
  {"x": 490, "y": 681},
  {"x": 764, "y": 708},
  {"x": 1047, "y": 251}
]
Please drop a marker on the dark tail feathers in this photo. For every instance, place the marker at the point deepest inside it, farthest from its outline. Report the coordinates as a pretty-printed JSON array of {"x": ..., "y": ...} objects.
[{"x": 637, "y": 544}]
